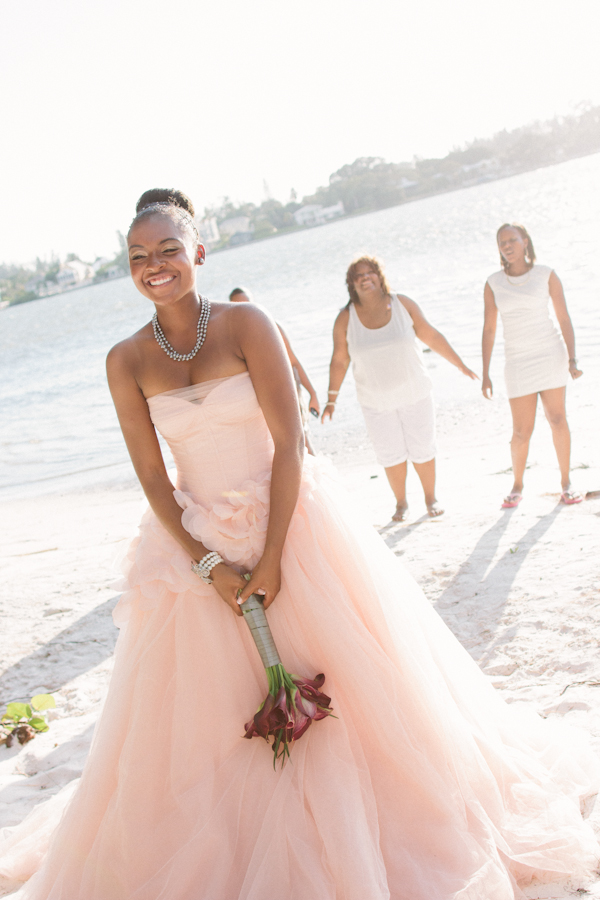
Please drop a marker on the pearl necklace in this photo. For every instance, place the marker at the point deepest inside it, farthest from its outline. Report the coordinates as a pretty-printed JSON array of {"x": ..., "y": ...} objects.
[{"x": 200, "y": 332}]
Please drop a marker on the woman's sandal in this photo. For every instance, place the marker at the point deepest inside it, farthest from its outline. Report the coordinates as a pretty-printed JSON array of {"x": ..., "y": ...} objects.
[
  {"x": 400, "y": 514},
  {"x": 434, "y": 510},
  {"x": 570, "y": 496},
  {"x": 512, "y": 500}
]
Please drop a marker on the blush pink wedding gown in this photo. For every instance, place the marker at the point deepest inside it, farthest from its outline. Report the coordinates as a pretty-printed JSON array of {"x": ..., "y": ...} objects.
[{"x": 426, "y": 787}]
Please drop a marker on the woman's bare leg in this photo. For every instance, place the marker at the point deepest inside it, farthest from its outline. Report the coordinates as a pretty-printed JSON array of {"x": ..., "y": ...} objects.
[
  {"x": 396, "y": 475},
  {"x": 523, "y": 416},
  {"x": 426, "y": 473},
  {"x": 554, "y": 408}
]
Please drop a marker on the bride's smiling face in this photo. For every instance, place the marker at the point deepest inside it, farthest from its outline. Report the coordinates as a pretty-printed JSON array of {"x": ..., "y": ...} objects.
[{"x": 162, "y": 258}]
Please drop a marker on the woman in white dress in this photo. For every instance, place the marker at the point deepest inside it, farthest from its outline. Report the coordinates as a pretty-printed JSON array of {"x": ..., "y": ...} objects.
[
  {"x": 538, "y": 360},
  {"x": 377, "y": 332}
]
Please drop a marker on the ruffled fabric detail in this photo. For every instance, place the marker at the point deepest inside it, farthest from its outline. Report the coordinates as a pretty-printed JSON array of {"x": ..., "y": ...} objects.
[
  {"x": 236, "y": 526},
  {"x": 155, "y": 570}
]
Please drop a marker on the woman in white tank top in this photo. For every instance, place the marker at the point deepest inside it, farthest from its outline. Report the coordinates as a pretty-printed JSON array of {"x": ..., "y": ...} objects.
[
  {"x": 377, "y": 332},
  {"x": 538, "y": 358}
]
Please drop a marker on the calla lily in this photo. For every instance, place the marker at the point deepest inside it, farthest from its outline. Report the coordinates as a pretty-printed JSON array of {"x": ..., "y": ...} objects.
[
  {"x": 292, "y": 703},
  {"x": 289, "y": 709},
  {"x": 261, "y": 724}
]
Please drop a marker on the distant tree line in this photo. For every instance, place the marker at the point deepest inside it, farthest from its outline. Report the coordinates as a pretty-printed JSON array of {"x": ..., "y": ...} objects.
[{"x": 371, "y": 183}]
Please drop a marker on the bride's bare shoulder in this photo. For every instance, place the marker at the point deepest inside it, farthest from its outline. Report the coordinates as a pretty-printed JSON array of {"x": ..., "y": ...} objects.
[
  {"x": 245, "y": 315},
  {"x": 126, "y": 353}
]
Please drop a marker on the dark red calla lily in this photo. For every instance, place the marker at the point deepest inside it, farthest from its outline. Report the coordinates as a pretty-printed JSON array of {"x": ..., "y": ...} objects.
[{"x": 289, "y": 709}]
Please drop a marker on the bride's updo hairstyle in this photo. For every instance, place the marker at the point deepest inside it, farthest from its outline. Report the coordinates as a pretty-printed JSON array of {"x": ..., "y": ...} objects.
[
  {"x": 529, "y": 251},
  {"x": 167, "y": 202}
]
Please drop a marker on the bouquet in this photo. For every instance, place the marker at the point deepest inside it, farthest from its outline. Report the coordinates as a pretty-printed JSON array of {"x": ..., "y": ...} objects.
[{"x": 293, "y": 703}]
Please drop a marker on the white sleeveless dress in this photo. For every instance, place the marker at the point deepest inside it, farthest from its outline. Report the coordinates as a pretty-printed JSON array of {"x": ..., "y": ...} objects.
[{"x": 536, "y": 357}]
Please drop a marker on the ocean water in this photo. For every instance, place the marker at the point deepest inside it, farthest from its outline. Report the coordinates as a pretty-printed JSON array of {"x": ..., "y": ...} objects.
[{"x": 59, "y": 431}]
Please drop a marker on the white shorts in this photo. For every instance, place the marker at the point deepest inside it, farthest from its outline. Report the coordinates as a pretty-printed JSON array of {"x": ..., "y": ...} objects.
[{"x": 404, "y": 433}]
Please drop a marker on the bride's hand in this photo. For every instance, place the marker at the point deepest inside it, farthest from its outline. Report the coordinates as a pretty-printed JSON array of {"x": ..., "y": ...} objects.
[
  {"x": 265, "y": 580},
  {"x": 227, "y": 582}
]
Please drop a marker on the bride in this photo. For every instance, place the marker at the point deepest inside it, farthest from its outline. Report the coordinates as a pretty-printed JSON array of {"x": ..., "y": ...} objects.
[{"x": 425, "y": 787}]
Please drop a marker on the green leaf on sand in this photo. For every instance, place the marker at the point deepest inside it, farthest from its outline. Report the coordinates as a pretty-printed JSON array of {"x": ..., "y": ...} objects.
[
  {"x": 17, "y": 710},
  {"x": 43, "y": 701},
  {"x": 39, "y": 724}
]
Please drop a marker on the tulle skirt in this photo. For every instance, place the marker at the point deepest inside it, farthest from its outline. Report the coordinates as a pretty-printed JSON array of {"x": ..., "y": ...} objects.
[{"x": 425, "y": 787}]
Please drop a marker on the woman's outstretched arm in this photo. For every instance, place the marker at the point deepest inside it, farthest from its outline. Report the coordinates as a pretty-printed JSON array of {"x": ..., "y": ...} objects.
[
  {"x": 432, "y": 337},
  {"x": 564, "y": 320},
  {"x": 340, "y": 361},
  {"x": 488, "y": 338},
  {"x": 304, "y": 379},
  {"x": 144, "y": 450}
]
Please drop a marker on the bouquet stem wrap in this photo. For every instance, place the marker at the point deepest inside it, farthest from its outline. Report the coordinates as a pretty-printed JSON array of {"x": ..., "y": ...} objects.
[
  {"x": 256, "y": 620},
  {"x": 293, "y": 703}
]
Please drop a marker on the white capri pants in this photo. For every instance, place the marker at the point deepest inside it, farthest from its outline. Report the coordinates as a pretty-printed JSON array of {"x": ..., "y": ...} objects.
[{"x": 404, "y": 433}]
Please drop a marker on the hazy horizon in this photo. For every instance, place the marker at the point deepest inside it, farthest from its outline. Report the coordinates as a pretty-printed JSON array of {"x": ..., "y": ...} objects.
[{"x": 217, "y": 99}]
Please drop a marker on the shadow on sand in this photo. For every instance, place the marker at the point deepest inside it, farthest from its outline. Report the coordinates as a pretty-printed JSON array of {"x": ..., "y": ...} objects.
[
  {"x": 494, "y": 582},
  {"x": 79, "y": 647}
]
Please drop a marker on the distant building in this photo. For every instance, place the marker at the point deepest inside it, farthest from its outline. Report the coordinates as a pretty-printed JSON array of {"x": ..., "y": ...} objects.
[
  {"x": 74, "y": 272},
  {"x": 238, "y": 229},
  {"x": 208, "y": 230},
  {"x": 236, "y": 225},
  {"x": 407, "y": 186},
  {"x": 100, "y": 263},
  {"x": 315, "y": 214},
  {"x": 306, "y": 215},
  {"x": 240, "y": 237}
]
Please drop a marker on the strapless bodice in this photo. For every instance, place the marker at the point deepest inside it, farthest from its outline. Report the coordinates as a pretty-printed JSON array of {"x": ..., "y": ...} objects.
[{"x": 217, "y": 434}]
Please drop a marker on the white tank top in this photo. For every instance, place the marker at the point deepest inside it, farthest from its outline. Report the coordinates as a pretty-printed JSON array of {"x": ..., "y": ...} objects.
[{"x": 387, "y": 363}]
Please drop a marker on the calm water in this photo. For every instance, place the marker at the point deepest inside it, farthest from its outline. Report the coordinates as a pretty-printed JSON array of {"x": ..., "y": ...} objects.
[{"x": 59, "y": 430}]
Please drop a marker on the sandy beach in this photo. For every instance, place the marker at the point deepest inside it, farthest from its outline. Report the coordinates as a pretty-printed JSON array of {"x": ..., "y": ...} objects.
[{"x": 520, "y": 589}]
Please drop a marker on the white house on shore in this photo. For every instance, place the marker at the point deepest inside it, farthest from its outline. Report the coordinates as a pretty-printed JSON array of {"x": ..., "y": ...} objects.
[
  {"x": 236, "y": 225},
  {"x": 316, "y": 214},
  {"x": 73, "y": 272},
  {"x": 238, "y": 229}
]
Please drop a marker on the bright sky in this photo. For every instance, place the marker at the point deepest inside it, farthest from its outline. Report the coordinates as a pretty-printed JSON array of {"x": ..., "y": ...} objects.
[{"x": 102, "y": 100}]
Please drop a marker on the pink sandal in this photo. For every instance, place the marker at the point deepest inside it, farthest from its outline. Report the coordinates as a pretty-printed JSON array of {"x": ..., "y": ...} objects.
[
  {"x": 570, "y": 496},
  {"x": 512, "y": 500}
]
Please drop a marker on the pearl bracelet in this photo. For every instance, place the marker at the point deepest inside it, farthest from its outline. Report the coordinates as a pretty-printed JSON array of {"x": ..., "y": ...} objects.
[{"x": 204, "y": 567}]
